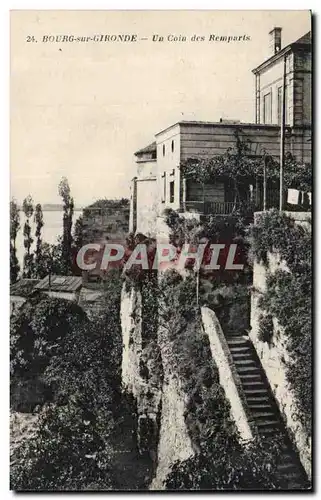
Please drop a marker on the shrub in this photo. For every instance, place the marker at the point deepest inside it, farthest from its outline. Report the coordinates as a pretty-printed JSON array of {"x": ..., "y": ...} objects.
[
  {"x": 223, "y": 466},
  {"x": 265, "y": 328}
]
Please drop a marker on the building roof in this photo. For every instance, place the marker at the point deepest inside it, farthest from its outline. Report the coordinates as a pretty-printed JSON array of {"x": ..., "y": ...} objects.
[
  {"x": 224, "y": 123},
  {"x": 151, "y": 148},
  {"x": 60, "y": 283},
  {"x": 302, "y": 43},
  {"x": 23, "y": 287}
]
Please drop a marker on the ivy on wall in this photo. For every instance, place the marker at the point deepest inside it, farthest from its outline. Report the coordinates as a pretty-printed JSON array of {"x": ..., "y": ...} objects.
[
  {"x": 207, "y": 414},
  {"x": 288, "y": 297}
]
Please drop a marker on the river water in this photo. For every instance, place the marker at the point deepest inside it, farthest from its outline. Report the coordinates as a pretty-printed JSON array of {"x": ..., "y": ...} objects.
[{"x": 51, "y": 230}]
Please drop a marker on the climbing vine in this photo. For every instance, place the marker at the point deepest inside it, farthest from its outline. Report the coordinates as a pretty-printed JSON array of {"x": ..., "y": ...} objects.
[
  {"x": 288, "y": 296},
  {"x": 240, "y": 165}
]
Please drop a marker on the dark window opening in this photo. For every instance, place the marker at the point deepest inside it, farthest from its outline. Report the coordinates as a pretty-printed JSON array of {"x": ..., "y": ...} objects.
[
  {"x": 280, "y": 96},
  {"x": 171, "y": 191},
  {"x": 164, "y": 188},
  {"x": 267, "y": 109},
  {"x": 163, "y": 149},
  {"x": 172, "y": 146}
]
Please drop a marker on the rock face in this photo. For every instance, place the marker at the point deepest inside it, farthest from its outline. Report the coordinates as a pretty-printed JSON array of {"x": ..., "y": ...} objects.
[
  {"x": 161, "y": 431},
  {"x": 141, "y": 372},
  {"x": 131, "y": 321},
  {"x": 174, "y": 441}
]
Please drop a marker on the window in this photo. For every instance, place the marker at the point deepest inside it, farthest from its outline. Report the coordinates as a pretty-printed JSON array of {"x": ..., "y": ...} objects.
[
  {"x": 173, "y": 146},
  {"x": 164, "y": 187},
  {"x": 163, "y": 149},
  {"x": 280, "y": 91},
  {"x": 171, "y": 191},
  {"x": 267, "y": 109}
]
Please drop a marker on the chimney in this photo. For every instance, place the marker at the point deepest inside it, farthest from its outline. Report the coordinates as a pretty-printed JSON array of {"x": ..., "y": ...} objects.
[{"x": 275, "y": 41}]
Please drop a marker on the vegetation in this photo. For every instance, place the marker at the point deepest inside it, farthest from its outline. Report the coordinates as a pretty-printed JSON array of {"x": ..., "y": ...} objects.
[
  {"x": 40, "y": 261},
  {"x": 107, "y": 203},
  {"x": 14, "y": 228},
  {"x": 226, "y": 466},
  {"x": 85, "y": 434},
  {"x": 28, "y": 209},
  {"x": 68, "y": 208},
  {"x": 288, "y": 297},
  {"x": 266, "y": 328},
  {"x": 207, "y": 410},
  {"x": 222, "y": 461},
  {"x": 36, "y": 336},
  {"x": 241, "y": 168}
]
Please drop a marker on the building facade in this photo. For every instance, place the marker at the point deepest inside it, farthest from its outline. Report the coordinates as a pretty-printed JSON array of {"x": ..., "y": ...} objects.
[{"x": 159, "y": 184}]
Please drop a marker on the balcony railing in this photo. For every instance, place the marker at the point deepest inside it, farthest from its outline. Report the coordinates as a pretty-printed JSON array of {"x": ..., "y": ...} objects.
[{"x": 212, "y": 207}]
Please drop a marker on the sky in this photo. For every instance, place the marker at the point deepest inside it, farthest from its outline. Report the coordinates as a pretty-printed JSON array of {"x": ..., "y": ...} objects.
[{"x": 81, "y": 110}]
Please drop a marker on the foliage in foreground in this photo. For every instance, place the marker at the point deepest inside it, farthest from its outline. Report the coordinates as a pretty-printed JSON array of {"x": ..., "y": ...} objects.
[
  {"x": 229, "y": 467},
  {"x": 85, "y": 439}
]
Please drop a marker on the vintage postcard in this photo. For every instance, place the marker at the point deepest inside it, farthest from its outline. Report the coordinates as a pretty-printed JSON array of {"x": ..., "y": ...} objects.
[{"x": 160, "y": 250}]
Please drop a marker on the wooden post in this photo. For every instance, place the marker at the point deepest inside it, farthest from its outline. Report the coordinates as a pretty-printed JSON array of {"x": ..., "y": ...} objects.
[
  {"x": 203, "y": 198},
  {"x": 257, "y": 193},
  {"x": 264, "y": 183},
  {"x": 282, "y": 135},
  {"x": 184, "y": 193}
]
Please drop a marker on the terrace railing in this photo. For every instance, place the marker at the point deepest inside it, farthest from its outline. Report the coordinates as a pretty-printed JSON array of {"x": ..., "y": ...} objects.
[{"x": 212, "y": 207}]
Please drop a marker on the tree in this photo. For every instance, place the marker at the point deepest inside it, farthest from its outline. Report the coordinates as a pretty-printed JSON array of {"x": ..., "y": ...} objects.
[
  {"x": 68, "y": 207},
  {"x": 38, "y": 219},
  {"x": 14, "y": 228},
  {"x": 37, "y": 335},
  {"x": 78, "y": 233},
  {"x": 27, "y": 207},
  {"x": 85, "y": 437},
  {"x": 37, "y": 331}
]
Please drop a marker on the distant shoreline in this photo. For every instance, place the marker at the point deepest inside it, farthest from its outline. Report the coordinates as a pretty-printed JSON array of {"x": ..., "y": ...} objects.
[{"x": 55, "y": 208}]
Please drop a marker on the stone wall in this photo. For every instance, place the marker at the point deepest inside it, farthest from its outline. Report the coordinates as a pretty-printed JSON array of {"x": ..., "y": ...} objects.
[
  {"x": 229, "y": 378},
  {"x": 159, "y": 398},
  {"x": 146, "y": 206}
]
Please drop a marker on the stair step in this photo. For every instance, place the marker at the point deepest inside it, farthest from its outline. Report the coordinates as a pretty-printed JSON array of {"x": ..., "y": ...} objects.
[
  {"x": 263, "y": 414},
  {"x": 259, "y": 407},
  {"x": 252, "y": 392},
  {"x": 267, "y": 430},
  {"x": 238, "y": 341},
  {"x": 298, "y": 486},
  {"x": 288, "y": 466},
  {"x": 250, "y": 368},
  {"x": 268, "y": 423},
  {"x": 250, "y": 376},
  {"x": 245, "y": 362},
  {"x": 257, "y": 399},
  {"x": 262, "y": 406},
  {"x": 241, "y": 355},
  {"x": 241, "y": 349},
  {"x": 253, "y": 383}
]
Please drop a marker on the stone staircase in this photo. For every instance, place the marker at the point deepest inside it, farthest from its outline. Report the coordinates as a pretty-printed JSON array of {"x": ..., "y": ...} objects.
[{"x": 264, "y": 410}]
